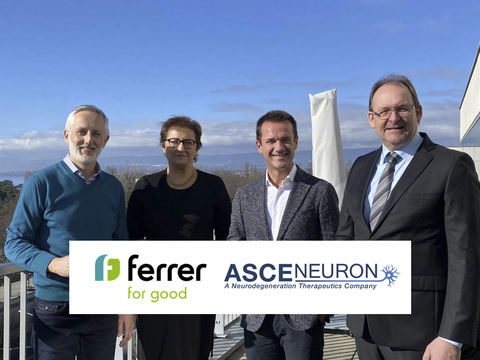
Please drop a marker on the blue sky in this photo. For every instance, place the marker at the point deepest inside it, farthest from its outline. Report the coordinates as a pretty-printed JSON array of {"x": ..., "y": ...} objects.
[{"x": 224, "y": 63}]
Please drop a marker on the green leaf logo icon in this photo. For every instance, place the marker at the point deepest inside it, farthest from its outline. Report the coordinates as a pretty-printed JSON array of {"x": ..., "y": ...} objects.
[{"x": 112, "y": 273}]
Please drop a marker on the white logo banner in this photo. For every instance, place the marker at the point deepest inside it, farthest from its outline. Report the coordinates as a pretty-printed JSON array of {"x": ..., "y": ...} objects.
[{"x": 249, "y": 277}]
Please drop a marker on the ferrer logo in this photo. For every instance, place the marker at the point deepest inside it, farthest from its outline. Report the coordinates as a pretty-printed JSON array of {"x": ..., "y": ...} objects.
[
  {"x": 112, "y": 273},
  {"x": 146, "y": 272}
]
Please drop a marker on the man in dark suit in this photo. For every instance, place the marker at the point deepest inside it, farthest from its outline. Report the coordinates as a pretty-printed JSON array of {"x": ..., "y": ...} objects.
[
  {"x": 286, "y": 204},
  {"x": 429, "y": 195}
]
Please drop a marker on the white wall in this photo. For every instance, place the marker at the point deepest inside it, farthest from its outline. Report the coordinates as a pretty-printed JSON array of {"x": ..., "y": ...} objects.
[{"x": 470, "y": 107}]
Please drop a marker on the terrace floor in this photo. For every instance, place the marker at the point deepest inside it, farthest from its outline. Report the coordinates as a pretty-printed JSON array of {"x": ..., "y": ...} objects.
[{"x": 338, "y": 344}]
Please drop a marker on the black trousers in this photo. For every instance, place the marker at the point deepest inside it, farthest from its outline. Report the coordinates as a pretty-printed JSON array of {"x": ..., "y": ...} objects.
[
  {"x": 176, "y": 337},
  {"x": 276, "y": 340},
  {"x": 472, "y": 353},
  {"x": 368, "y": 350},
  {"x": 371, "y": 351}
]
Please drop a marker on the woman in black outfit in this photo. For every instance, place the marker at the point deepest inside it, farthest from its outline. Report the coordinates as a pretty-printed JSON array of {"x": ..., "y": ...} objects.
[{"x": 178, "y": 203}]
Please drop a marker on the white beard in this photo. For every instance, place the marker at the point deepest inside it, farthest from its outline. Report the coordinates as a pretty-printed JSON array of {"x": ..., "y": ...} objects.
[{"x": 76, "y": 154}]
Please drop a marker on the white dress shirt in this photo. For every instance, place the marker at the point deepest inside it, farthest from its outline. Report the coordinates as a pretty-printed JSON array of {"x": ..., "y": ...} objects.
[{"x": 277, "y": 200}]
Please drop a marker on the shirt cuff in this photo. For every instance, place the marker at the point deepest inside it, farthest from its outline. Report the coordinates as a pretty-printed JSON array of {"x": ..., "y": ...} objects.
[{"x": 457, "y": 344}]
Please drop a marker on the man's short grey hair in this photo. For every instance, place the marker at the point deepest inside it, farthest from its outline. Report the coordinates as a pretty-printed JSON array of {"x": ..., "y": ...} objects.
[
  {"x": 394, "y": 79},
  {"x": 90, "y": 108}
]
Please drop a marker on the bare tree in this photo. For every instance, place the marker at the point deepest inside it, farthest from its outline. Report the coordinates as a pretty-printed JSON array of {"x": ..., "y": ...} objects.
[
  {"x": 112, "y": 170},
  {"x": 28, "y": 173},
  {"x": 246, "y": 170},
  {"x": 128, "y": 176},
  {"x": 309, "y": 169},
  {"x": 348, "y": 166},
  {"x": 234, "y": 180}
]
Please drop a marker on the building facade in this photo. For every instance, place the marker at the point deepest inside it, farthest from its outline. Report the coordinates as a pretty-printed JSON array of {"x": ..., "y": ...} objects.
[{"x": 470, "y": 115}]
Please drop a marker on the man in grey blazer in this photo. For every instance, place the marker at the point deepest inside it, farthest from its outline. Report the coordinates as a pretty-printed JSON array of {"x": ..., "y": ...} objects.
[{"x": 286, "y": 204}]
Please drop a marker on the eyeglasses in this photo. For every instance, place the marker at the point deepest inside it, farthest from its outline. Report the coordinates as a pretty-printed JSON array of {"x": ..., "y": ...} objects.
[
  {"x": 187, "y": 143},
  {"x": 402, "y": 111}
]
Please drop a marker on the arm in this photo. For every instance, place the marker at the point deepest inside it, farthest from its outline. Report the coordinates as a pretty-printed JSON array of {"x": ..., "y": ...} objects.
[
  {"x": 346, "y": 226},
  {"x": 441, "y": 349},
  {"x": 60, "y": 266},
  {"x": 222, "y": 212},
  {"x": 462, "y": 230},
  {"x": 237, "y": 227},
  {"x": 126, "y": 324},
  {"x": 328, "y": 212},
  {"x": 121, "y": 232},
  {"x": 136, "y": 213},
  {"x": 328, "y": 221},
  {"x": 22, "y": 246}
]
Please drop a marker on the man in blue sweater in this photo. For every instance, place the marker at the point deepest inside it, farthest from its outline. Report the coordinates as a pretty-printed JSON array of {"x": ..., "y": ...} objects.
[{"x": 71, "y": 200}]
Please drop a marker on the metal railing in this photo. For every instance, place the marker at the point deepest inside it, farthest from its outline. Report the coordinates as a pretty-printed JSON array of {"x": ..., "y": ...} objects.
[
  {"x": 7, "y": 271},
  {"x": 21, "y": 296},
  {"x": 221, "y": 323},
  {"x": 10, "y": 273}
]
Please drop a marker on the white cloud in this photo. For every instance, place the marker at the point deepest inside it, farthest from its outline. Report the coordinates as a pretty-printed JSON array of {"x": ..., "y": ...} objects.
[
  {"x": 442, "y": 122},
  {"x": 134, "y": 137},
  {"x": 236, "y": 107},
  {"x": 33, "y": 140},
  {"x": 224, "y": 136},
  {"x": 358, "y": 134},
  {"x": 437, "y": 25},
  {"x": 290, "y": 84}
]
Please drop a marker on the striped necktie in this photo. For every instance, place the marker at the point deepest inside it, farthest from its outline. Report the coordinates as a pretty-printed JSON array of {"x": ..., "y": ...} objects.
[{"x": 383, "y": 189}]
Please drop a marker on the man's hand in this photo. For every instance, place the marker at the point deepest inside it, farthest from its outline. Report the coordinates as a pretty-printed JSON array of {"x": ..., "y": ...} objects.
[
  {"x": 440, "y": 349},
  {"x": 126, "y": 324},
  {"x": 60, "y": 266}
]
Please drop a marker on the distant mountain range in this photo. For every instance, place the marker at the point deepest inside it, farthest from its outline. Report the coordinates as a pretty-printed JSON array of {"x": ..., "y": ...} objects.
[{"x": 18, "y": 165}]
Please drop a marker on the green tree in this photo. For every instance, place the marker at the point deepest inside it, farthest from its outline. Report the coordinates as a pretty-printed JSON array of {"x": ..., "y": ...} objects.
[
  {"x": 7, "y": 208},
  {"x": 7, "y": 190}
]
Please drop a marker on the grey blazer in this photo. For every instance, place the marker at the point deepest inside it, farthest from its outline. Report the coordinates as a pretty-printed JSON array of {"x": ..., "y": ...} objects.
[{"x": 311, "y": 213}]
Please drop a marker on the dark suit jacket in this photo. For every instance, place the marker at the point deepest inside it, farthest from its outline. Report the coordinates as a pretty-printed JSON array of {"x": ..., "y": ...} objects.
[
  {"x": 311, "y": 213},
  {"x": 435, "y": 205}
]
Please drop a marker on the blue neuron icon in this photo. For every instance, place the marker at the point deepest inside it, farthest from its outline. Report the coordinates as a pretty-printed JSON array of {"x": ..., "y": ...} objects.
[{"x": 391, "y": 274}]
